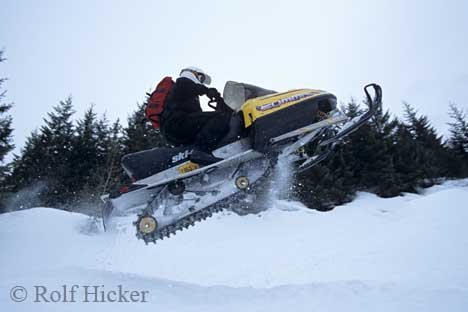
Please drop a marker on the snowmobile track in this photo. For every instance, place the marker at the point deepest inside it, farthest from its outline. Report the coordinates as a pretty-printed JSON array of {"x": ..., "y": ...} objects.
[{"x": 201, "y": 215}]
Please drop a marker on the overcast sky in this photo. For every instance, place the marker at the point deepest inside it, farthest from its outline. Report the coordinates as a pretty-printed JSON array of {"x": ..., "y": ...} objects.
[{"x": 111, "y": 52}]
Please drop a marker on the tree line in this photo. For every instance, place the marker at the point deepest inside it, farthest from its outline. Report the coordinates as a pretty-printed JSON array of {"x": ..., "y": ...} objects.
[
  {"x": 387, "y": 156},
  {"x": 68, "y": 164}
]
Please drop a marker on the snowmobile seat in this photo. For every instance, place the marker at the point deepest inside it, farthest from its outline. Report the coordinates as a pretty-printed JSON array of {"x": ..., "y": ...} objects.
[{"x": 143, "y": 164}]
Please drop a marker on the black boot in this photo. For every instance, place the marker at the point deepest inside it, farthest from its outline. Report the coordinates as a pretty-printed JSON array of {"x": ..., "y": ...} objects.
[{"x": 203, "y": 158}]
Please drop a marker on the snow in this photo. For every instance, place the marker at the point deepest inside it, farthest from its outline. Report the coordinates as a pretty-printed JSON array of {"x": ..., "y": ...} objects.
[{"x": 408, "y": 253}]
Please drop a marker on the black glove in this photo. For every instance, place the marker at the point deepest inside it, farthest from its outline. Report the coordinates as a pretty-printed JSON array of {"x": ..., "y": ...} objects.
[{"x": 213, "y": 94}]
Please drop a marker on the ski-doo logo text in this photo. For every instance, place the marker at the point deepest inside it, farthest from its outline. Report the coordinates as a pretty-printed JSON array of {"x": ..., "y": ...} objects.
[
  {"x": 81, "y": 293},
  {"x": 181, "y": 156},
  {"x": 278, "y": 103}
]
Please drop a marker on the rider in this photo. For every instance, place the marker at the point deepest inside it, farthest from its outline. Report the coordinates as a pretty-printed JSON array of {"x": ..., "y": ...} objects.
[{"x": 183, "y": 122}]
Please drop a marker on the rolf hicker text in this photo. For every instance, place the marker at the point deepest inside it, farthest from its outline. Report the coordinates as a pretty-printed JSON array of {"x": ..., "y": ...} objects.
[{"x": 91, "y": 294}]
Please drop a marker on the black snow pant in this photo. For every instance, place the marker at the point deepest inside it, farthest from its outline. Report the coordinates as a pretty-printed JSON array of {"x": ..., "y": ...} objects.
[{"x": 203, "y": 129}]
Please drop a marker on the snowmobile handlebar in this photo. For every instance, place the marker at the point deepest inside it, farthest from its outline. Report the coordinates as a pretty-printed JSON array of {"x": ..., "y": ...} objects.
[{"x": 217, "y": 103}]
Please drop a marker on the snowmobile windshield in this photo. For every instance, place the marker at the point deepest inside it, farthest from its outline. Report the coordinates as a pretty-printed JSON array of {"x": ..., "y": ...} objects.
[{"x": 235, "y": 93}]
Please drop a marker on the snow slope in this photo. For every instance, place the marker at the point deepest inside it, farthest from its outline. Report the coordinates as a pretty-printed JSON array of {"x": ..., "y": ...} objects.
[{"x": 408, "y": 253}]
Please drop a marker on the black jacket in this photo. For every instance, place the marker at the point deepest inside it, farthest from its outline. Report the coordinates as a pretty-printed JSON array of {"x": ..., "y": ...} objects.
[
  {"x": 184, "y": 96},
  {"x": 183, "y": 121}
]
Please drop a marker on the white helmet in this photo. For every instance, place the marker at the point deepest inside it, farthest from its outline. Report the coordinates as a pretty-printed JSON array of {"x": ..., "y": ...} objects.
[{"x": 196, "y": 74}]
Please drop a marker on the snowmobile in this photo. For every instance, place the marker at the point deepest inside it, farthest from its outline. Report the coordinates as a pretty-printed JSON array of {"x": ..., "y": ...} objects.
[{"x": 175, "y": 187}]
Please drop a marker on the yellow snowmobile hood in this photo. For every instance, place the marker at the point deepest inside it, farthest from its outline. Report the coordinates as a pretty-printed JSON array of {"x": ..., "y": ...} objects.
[{"x": 265, "y": 105}]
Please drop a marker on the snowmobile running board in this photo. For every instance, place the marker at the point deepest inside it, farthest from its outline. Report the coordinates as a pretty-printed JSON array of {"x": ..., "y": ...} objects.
[{"x": 244, "y": 156}]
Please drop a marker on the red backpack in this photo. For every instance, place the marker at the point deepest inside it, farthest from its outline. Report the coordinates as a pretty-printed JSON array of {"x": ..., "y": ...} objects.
[{"x": 157, "y": 101}]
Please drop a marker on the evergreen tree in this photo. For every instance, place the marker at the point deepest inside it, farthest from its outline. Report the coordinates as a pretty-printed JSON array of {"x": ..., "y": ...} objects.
[
  {"x": 27, "y": 168},
  {"x": 372, "y": 147},
  {"x": 28, "y": 173},
  {"x": 458, "y": 142},
  {"x": 113, "y": 174},
  {"x": 327, "y": 184},
  {"x": 58, "y": 136},
  {"x": 47, "y": 158},
  {"x": 6, "y": 144},
  {"x": 428, "y": 145},
  {"x": 108, "y": 174},
  {"x": 458, "y": 131},
  {"x": 407, "y": 158},
  {"x": 84, "y": 153},
  {"x": 97, "y": 151},
  {"x": 352, "y": 109}
]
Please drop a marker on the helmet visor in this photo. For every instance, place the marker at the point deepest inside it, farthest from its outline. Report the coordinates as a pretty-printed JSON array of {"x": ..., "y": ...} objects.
[{"x": 201, "y": 77}]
